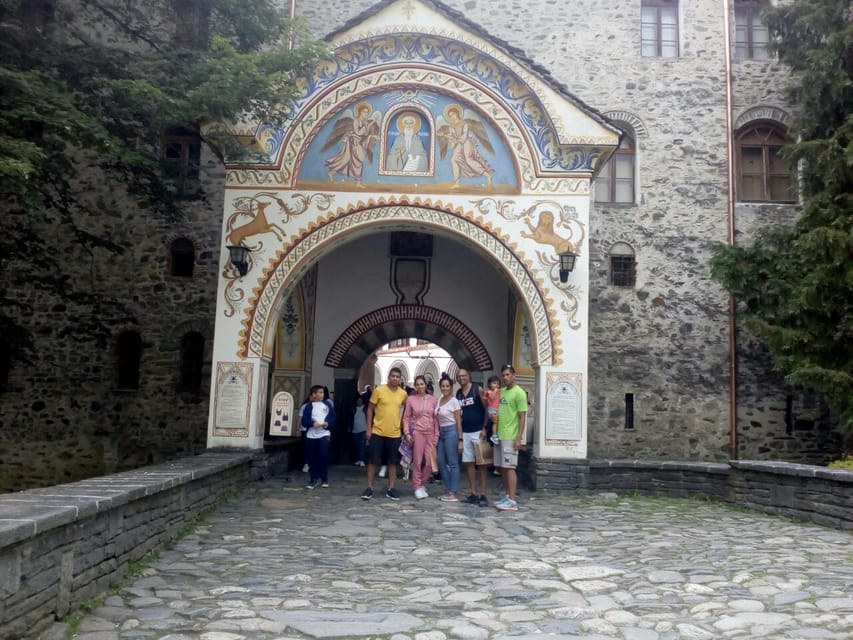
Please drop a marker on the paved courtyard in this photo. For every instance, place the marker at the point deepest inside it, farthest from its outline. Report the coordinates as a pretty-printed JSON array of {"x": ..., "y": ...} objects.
[{"x": 280, "y": 561}]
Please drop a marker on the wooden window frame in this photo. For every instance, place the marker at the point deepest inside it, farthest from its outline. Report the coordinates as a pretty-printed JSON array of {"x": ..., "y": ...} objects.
[
  {"x": 772, "y": 142},
  {"x": 185, "y": 175},
  {"x": 752, "y": 10},
  {"x": 657, "y": 5},
  {"x": 622, "y": 151}
]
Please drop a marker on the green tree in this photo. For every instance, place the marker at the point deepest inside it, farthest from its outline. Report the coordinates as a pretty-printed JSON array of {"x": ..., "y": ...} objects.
[
  {"x": 795, "y": 286},
  {"x": 87, "y": 88}
]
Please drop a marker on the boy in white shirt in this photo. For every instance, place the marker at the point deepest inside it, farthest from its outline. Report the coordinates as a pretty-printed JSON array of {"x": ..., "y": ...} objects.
[{"x": 318, "y": 418}]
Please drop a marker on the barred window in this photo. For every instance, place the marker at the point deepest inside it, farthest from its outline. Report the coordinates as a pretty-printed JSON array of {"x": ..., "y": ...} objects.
[{"x": 623, "y": 267}]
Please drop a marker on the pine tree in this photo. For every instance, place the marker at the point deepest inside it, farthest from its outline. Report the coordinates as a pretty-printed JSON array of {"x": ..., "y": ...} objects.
[{"x": 795, "y": 286}]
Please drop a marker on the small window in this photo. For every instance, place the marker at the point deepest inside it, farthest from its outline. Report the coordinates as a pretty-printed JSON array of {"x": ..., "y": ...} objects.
[
  {"x": 659, "y": 28},
  {"x": 623, "y": 267},
  {"x": 181, "y": 159},
  {"x": 751, "y": 34},
  {"x": 615, "y": 181},
  {"x": 5, "y": 363},
  {"x": 192, "y": 23},
  {"x": 37, "y": 16},
  {"x": 192, "y": 362},
  {"x": 763, "y": 175},
  {"x": 129, "y": 358},
  {"x": 181, "y": 258}
]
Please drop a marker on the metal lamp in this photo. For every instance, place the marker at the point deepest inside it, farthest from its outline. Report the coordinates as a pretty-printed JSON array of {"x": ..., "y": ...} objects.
[
  {"x": 567, "y": 263},
  {"x": 239, "y": 258}
]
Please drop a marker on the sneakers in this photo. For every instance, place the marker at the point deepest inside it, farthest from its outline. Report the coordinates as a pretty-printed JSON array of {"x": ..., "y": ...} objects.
[
  {"x": 305, "y": 468},
  {"x": 421, "y": 493},
  {"x": 472, "y": 499},
  {"x": 325, "y": 484},
  {"x": 359, "y": 463},
  {"x": 392, "y": 493},
  {"x": 383, "y": 471},
  {"x": 483, "y": 501},
  {"x": 367, "y": 494},
  {"x": 506, "y": 505},
  {"x": 449, "y": 498},
  {"x": 313, "y": 484}
]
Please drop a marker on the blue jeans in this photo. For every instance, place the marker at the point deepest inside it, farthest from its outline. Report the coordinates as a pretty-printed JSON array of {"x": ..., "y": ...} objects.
[
  {"x": 358, "y": 441},
  {"x": 448, "y": 457}
]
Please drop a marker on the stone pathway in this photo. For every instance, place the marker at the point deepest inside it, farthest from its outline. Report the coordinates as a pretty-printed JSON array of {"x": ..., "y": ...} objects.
[{"x": 280, "y": 562}]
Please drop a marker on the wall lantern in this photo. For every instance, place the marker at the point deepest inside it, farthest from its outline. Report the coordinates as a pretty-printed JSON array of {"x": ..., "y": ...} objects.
[
  {"x": 567, "y": 263},
  {"x": 239, "y": 258}
]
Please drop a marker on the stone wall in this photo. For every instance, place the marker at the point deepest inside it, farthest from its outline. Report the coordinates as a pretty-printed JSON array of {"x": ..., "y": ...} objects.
[
  {"x": 804, "y": 492},
  {"x": 64, "y": 545},
  {"x": 62, "y": 417}
]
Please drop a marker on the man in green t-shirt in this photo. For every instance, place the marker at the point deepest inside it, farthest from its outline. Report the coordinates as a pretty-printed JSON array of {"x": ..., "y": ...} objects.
[{"x": 512, "y": 419}]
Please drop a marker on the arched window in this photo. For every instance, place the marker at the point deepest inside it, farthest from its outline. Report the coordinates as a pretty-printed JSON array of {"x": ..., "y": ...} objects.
[
  {"x": 181, "y": 258},
  {"x": 129, "y": 346},
  {"x": 615, "y": 181},
  {"x": 192, "y": 362},
  {"x": 623, "y": 266},
  {"x": 762, "y": 174}
]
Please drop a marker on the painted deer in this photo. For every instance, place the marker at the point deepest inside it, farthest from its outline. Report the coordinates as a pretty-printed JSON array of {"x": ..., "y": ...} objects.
[{"x": 258, "y": 224}]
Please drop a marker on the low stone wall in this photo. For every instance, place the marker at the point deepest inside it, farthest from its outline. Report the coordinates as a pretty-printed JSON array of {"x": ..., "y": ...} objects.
[
  {"x": 62, "y": 545},
  {"x": 817, "y": 494}
]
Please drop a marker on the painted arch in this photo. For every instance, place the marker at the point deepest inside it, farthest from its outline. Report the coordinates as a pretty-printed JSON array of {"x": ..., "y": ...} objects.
[
  {"x": 372, "y": 330},
  {"x": 299, "y": 253}
]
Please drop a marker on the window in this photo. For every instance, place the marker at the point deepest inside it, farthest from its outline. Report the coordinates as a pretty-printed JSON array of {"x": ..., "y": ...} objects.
[
  {"x": 659, "y": 29},
  {"x": 181, "y": 158},
  {"x": 751, "y": 35},
  {"x": 615, "y": 181},
  {"x": 192, "y": 23},
  {"x": 181, "y": 258},
  {"x": 37, "y": 16},
  {"x": 129, "y": 358},
  {"x": 192, "y": 361},
  {"x": 763, "y": 175},
  {"x": 623, "y": 267},
  {"x": 5, "y": 363}
]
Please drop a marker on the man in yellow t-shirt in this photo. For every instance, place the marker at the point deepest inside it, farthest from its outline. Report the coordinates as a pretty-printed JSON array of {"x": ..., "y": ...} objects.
[{"x": 383, "y": 431}]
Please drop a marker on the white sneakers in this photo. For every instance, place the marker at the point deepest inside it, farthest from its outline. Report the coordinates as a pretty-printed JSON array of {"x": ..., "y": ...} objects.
[{"x": 421, "y": 493}]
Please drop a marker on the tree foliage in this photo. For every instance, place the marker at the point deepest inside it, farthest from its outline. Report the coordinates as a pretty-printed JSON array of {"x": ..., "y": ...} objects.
[
  {"x": 795, "y": 285},
  {"x": 87, "y": 88}
]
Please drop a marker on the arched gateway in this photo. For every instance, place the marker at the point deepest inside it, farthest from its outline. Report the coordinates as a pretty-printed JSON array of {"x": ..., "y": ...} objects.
[{"x": 428, "y": 171}]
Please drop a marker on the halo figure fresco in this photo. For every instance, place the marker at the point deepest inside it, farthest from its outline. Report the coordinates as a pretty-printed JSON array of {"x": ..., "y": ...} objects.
[
  {"x": 358, "y": 132},
  {"x": 462, "y": 131}
]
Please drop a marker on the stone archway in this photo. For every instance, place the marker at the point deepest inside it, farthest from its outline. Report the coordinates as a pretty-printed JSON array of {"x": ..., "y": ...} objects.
[
  {"x": 325, "y": 233},
  {"x": 376, "y": 328}
]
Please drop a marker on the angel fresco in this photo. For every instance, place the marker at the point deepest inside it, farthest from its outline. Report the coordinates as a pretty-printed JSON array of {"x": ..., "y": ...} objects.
[
  {"x": 462, "y": 131},
  {"x": 359, "y": 134}
]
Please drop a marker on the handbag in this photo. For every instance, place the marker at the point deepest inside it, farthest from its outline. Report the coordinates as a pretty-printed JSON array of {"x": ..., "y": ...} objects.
[
  {"x": 405, "y": 450},
  {"x": 483, "y": 453}
]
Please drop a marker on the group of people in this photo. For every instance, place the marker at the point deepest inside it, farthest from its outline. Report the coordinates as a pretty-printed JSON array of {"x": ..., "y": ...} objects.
[{"x": 452, "y": 426}]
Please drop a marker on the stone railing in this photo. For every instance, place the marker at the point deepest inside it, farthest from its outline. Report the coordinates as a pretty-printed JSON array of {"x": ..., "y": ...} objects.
[
  {"x": 816, "y": 494},
  {"x": 62, "y": 545}
]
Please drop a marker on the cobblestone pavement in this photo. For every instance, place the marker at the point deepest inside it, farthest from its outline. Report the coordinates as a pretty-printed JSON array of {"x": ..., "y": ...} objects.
[{"x": 281, "y": 561}]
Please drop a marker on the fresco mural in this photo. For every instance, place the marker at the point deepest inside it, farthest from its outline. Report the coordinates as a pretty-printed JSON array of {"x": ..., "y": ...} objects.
[{"x": 405, "y": 137}]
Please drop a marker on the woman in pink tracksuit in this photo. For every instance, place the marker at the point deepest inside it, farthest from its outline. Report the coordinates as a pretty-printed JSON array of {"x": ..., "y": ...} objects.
[{"x": 420, "y": 429}]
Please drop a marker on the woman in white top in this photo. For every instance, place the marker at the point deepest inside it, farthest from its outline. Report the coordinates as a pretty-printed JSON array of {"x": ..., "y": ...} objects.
[{"x": 449, "y": 414}]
